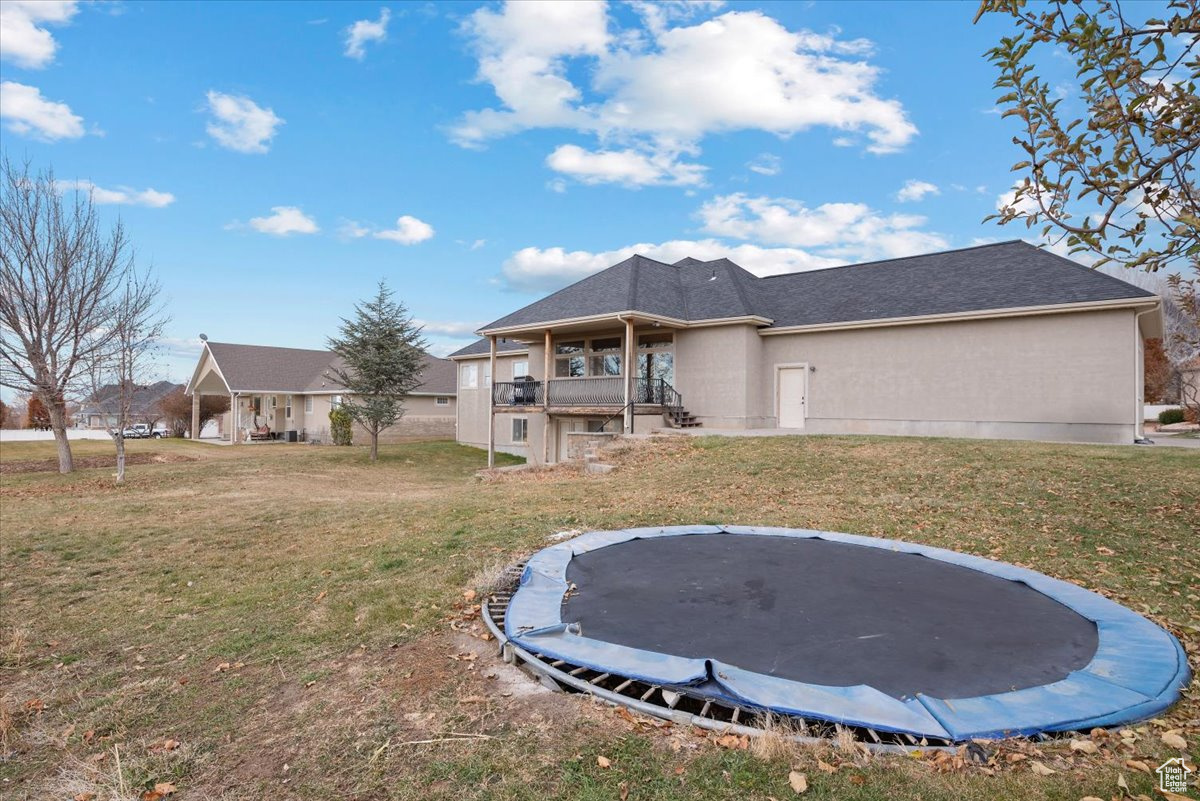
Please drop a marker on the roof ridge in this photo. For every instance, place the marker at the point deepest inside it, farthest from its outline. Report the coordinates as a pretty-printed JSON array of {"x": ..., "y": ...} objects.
[
  {"x": 633, "y": 280},
  {"x": 1095, "y": 271},
  {"x": 897, "y": 258}
]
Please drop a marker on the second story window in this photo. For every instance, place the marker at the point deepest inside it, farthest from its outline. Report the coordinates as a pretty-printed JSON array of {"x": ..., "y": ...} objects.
[
  {"x": 470, "y": 376},
  {"x": 520, "y": 369}
]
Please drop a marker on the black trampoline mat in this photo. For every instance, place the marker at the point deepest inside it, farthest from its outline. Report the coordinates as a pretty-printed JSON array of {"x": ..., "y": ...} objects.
[{"x": 827, "y": 613}]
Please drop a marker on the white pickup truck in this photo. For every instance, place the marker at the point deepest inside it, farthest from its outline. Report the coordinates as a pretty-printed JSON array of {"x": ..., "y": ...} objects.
[{"x": 144, "y": 431}]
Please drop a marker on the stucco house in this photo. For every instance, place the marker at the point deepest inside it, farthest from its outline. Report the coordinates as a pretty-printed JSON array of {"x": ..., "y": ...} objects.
[
  {"x": 289, "y": 391},
  {"x": 999, "y": 341}
]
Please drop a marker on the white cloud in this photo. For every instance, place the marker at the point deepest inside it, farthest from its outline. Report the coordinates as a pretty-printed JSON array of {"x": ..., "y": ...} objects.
[
  {"x": 363, "y": 31},
  {"x": 24, "y": 39},
  {"x": 408, "y": 231},
  {"x": 751, "y": 72},
  {"x": 241, "y": 124},
  {"x": 352, "y": 230},
  {"x": 914, "y": 190},
  {"x": 452, "y": 329},
  {"x": 628, "y": 167},
  {"x": 478, "y": 243},
  {"x": 26, "y": 112},
  {"x": 766, "y": 164},
  {"x": 845, "y": 231},
  {"x": 285, "y": 220},
  {"x": 557, "y": 185},
  {"x": 122, "y": 195},
  {"x": 541, "y": 270}
]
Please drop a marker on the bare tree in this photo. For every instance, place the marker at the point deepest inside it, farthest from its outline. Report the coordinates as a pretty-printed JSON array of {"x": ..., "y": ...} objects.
[
  {"x": 61, "y": 278},
  {"x": 176, "y": 407},
  {"x": 136, "y": 325}
]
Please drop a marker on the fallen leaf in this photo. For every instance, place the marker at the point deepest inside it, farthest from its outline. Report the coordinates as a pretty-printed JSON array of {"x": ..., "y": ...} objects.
[
  {"x": 1015, "y": 757},
  {"x": 84, "y": 797},
  {"x": 603, "y": 762},
  {"x": 320, "y": 595},
  {"x": 166, "y": 788},
  {"x": 822, "y": 765},
  {"x": 798, "y": 781},
  {"x": 1135, "y": 764},
  {"x": 222, "y": 667},
  {"x": 1040, "y": 769},
  {"x": 469, "y": 595},
  {"x": 1085, "y": 746},
  {"x": 151, "y": 795},
  {"x": 35, "y": 705},
  {"x": 1173, "y": 740},
  {"x": 858, "y": 779},
  {"x": 1105, "y": 551},
  {"x": 623, "y": 790},
  {"x": 1091, "y": 798}
]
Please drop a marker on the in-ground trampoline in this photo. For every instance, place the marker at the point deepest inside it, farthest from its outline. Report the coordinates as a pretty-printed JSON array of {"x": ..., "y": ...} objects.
[{"x": 907, "y": 643}]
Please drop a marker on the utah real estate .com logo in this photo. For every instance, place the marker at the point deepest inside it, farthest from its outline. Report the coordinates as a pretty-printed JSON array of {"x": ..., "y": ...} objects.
[{"x": 1172, "y": 775}]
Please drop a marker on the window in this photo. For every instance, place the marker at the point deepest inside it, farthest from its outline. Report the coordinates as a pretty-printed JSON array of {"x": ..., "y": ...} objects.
[
  {"x": 656, "y": 357},
  {"x": 274, "y": 402},
  {"x": 487, "y": 374},
  {"x": 308, "y": 404},
  {"x": 593, "y": 358},
  {"x": 568, "y": 359},
  {"x": 520, "y": 429},
  {"x": 442, "y": 401},
  {"x": 287, "y": 406},
  {"x": 520, "y": 369},
  {"x": 470, "y": 376},
  {"x": 334, "y": 402}
]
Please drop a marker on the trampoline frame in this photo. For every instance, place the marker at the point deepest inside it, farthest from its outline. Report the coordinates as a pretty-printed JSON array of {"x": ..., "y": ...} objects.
[{"x": 1138, "y": 669}]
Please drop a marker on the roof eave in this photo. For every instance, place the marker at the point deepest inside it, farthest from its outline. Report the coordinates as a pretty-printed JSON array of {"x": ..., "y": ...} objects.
[{"x": 620, "y": 316}]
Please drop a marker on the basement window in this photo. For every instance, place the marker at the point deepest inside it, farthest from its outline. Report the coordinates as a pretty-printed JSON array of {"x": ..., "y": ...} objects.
[{"x": 520, "y": 429}]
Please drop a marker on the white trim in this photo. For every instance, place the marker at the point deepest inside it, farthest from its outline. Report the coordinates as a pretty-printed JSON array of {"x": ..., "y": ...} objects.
[
  {"x": 988, "y": 314},
  {"x": 216, "y": 367},
  {"x": 779, "y": 367},
  {"x": 628, "y": 313},
  {"x": 499, "y": 355}
]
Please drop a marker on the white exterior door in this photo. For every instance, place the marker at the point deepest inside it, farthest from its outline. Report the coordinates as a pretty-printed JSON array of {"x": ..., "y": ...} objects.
[{"x": 793, "y": 392}]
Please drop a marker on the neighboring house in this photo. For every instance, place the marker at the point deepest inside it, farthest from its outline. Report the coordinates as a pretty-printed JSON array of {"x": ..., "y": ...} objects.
[
  {"x": 1004, "y": 340},
  {"x": 289, "y": 391},
  {"x": 101, "y": 409}
]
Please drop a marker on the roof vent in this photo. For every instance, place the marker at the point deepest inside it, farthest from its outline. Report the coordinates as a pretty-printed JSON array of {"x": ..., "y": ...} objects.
[{"x": 713, "y": 277}]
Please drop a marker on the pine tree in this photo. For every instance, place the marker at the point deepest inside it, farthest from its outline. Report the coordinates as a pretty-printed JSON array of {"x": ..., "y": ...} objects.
[{"x": 382, "y": 356}]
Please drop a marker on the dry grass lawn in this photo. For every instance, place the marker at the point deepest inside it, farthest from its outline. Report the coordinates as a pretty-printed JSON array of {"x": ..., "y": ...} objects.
[{"x": 287, "y": 621}]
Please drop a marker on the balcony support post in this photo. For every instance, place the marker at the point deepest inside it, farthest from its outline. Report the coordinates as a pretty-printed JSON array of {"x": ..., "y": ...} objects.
[
  {"x": 547, "y": 364},
  {"x": 491, "y": 391},
  {"x": 629, "y": 367}
]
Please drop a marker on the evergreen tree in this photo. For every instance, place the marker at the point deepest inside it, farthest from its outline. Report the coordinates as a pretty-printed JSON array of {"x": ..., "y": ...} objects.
[{"x": 382, "y": 356}]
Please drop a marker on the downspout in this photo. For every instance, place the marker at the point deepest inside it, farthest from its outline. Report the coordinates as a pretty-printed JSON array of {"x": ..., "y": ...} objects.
[{"x": 1139, "y": 372}]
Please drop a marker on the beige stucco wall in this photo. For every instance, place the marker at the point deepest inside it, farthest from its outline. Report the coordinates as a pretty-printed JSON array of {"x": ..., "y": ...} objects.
[
  {"x": 1065, "y": 376},
  {"x": 474, "y": 405},
  {"x": 719, "y": 372}
]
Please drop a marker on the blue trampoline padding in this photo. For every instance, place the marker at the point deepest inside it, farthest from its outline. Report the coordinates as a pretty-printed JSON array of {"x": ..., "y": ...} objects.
[{"x": 1138, "y": 670}]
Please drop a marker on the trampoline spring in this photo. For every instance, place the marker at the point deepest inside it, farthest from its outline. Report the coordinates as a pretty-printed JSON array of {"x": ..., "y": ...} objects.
[
  {"x": 576, "y": 671},
  {"x": 621, "y": 687},
  {"x": 873, "y": 735},
  {"x": 598, "y": 679},
  {"x": 557, "y": 662},
  {"x": 649, "y": 692},
  {"x": 704, "y": 709},
  {"x": 737, "y": 713}
]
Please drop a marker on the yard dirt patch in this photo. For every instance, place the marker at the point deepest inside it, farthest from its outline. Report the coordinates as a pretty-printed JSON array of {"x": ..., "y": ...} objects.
[
  {"x": 91, "y": 462},
  {"x": 212, "y": 625}
]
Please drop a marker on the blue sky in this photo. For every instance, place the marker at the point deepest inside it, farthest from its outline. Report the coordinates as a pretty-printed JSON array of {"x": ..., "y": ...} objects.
[{"x": 274, "y": 160}]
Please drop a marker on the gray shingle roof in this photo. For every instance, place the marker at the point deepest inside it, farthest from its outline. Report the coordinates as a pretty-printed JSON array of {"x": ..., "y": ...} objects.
[
  {"x": 1004, "y": 275},
  {"x": 261, "y": 368},
  {"x": 480, "y": 347}
]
